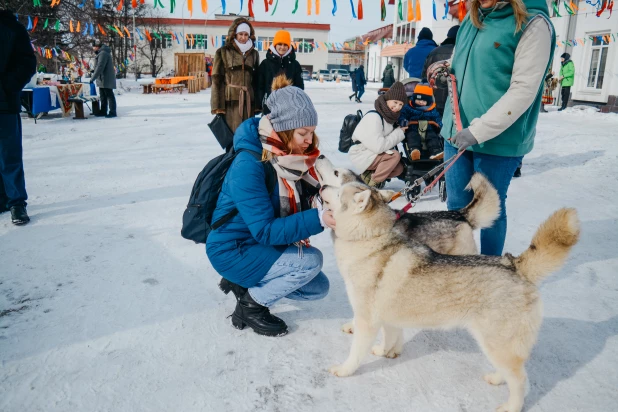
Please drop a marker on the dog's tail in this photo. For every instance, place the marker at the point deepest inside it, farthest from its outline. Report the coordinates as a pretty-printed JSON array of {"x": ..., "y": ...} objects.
[
  {"x": 550, "y": 246},
  {"x": 484, "y": 208}
]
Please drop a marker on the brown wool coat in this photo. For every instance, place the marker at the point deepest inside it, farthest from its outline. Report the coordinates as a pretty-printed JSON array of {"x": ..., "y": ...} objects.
[{"x": 232, "y": 68}]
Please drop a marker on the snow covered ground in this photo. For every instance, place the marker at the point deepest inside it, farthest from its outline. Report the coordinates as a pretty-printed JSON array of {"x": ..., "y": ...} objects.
[{"x": 104, "y": 307}]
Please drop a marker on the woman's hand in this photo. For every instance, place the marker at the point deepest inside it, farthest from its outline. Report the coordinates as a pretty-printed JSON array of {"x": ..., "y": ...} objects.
[{"x": 328, "y": 219}]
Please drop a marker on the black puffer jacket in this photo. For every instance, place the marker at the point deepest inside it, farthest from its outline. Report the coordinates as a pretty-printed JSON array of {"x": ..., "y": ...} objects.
[
  {"x": 273, "y": 66},
  {"x": 17, "y": 62},
  {"x": 443, "y": 52}
]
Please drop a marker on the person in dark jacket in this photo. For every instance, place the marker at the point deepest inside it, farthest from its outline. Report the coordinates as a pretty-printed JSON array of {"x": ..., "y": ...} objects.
[
  {"x": 443, "y": 52},
  {"x": 17, "y": 66},
  {"x": 415, "y": 57},
  {"x": 361, "y": 81},
  {"x": 105, "y": 76},
  {"x": 388, "y": 77},
  {"x": 263, "y": 252},
  {"x": 280, "y": 59},
  {"x": 354, "y": 88}
]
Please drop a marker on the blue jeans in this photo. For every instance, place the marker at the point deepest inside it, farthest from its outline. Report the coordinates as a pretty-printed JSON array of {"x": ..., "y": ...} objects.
[
  {"x": 360, "y": 90},
  {"x": 293, "y": 277},
  {"x": 12, "y": 181},
  {"x": 499, "y": 171}
]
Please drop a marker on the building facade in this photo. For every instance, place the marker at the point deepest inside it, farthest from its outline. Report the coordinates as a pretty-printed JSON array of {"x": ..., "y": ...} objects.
[
  {"x": 592, "y": 44},
  {"x": 206, "y": 36}
]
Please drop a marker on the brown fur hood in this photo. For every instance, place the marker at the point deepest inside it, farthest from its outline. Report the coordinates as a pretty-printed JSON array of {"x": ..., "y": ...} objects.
[{"x": 231, "y": 34}]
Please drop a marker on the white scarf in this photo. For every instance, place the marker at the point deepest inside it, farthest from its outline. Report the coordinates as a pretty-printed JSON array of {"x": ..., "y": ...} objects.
[{"x": 244, "y": 48}]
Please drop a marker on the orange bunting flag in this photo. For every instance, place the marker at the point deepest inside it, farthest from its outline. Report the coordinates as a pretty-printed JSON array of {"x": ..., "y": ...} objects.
[
  {"x": 360, "y": 9},
  {"x": 36, "y": 20},
  {"x": 418, "y": 10},
  {"x": 573, "y": 5},
  {"x": 309, "y": 7},
  {"x": 462, "y": 11},
  {"x": 101, "y": 30},
  {"x": 71, "y": 26},
  {"x": 119, "y": 31},
  {"x": 55, "y": 3},
  {"x": 120, "y": 5},
  {"x": 190, "y": 7},
  {"x": 317, "y": 6},
  {"x": 134, "y": 4},
  {"x": 127, "y": 31},
  {"x": 147, "y": 35},
  {"x": 204, "y": 6},
  {"x": 410, "y": 11},
  {"x": 78, "y": 28}
]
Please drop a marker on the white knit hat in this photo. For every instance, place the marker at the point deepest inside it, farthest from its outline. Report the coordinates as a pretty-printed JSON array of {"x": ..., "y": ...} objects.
[{"x": 243, "y": 28}]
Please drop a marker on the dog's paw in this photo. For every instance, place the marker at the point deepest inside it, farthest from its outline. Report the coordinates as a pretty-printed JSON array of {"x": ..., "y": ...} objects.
[
  {"x": 340, "y": 371},
  {"x": 348, "y": 328},
  {"x": 494, "y": 378},
  {"x": 378, "y": 350}
]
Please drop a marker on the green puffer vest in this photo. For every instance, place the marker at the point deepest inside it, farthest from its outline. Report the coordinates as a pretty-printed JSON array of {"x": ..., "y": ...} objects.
[{"x": 483, "y": 65}]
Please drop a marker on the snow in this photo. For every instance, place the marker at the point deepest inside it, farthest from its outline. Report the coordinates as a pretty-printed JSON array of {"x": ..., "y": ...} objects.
[{"x": 104, "y": 307}]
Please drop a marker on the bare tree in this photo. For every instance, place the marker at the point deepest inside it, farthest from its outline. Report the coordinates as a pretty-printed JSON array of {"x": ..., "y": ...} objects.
[{"x": 160, "y": 41}]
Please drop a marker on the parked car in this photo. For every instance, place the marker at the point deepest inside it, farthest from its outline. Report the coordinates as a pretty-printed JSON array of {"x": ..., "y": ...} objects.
[
  {"x": 306, "y": 75},
  {"x": 315, "y": 75},
  {"x": 325, "y": 75},
  {"x": 342, "y": 74}
]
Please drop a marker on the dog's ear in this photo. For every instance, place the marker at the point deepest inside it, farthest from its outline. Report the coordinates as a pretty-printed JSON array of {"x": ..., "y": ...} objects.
[
  {"x": 387, "y": 195},
  {"x": 361, "y": 200}
]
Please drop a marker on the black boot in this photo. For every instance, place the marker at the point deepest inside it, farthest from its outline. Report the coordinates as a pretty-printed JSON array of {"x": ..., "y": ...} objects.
[
  {"x": 250, "y": 313},
  {"x": 517, "y": 172},
  {"x": 19, "y": 216},
  {"x": 226, "y": 286}
]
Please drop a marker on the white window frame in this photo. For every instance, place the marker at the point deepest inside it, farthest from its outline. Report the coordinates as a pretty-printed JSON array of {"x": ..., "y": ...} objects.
[
  {"x": 264, "y": 43},
  {"x": 200, "y": 41},
  {"x": 304, "y": 44},
  {"x": 600, "y": 47}
]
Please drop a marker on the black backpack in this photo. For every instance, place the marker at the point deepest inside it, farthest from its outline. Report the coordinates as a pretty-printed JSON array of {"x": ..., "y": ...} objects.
[
  {"x": 197, "y": 218},
  {"x": 347, "y": 130}
]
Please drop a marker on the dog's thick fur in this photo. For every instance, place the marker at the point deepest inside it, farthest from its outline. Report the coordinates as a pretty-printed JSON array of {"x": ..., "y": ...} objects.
[
  {"x": 449, "y": 233},
  {"x": 394, "y": 282}
]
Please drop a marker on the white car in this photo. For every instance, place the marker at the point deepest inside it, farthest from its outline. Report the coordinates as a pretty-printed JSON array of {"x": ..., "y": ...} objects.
[
  {"x": 325, "y": 75},
  {"x": 342, "y": 74}
]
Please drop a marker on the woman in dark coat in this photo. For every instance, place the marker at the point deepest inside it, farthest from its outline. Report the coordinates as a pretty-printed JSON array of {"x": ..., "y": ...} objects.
[
  {"x": 388, "y": 77},
  {"x": 234, "y": 75},
  {"x": 280, "y": 59}
]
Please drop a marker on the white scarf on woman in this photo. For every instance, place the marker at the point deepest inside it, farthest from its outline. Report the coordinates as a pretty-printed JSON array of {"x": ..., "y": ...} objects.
[{"x": 244, "y": 48}]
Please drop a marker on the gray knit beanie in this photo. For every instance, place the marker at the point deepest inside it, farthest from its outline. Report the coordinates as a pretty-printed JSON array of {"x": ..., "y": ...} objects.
[{"x": 291, "y": 108}]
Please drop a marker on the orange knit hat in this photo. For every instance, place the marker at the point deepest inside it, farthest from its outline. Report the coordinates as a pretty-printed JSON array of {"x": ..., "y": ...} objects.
[
  {"x": 423, "y": 92},
  {"x": 283, "y": 37}
]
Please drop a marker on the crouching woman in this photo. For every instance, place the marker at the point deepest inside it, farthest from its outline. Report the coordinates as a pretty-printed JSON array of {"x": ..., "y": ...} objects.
[{"x": 263, "y": 253}]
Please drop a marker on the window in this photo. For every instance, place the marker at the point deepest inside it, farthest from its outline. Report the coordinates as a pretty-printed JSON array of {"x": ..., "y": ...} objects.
[
  {"x": 263, "y": 43},
  {"x": 196, "y": 41},
  {"x": 598, "y": 59},
  {"x": 165, "y": 42},
  {"x": 305, "y": 45}
]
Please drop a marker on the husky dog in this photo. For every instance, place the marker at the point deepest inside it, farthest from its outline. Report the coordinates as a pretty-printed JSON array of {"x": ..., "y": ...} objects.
[
  {"x": 449, "y": 233},
  {"x": 395, "y": 282}
]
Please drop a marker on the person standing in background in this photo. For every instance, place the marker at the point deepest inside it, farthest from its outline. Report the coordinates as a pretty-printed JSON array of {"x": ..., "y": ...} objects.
[
  {"x": 388, "y": 77},
  {"x": 415, "y": 57},
  {"x": 443, "y": 52},
  {"x": 354, "y": 88},
  {"x": 105, "y": 76},
  {"x": 235, "y": 75},
  {"x": 361, "y": 81},
  {"x": 567, "y": 78},
  {"x": 17, "y": 66}
]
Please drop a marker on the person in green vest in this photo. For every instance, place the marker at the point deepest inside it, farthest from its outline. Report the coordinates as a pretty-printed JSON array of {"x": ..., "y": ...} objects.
[
  {"x": 502, "y": 53},
  {"x": 567, "y": 77}
]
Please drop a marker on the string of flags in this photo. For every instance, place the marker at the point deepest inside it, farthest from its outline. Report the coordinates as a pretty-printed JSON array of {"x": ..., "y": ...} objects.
[{"x": 607, "y": 39}]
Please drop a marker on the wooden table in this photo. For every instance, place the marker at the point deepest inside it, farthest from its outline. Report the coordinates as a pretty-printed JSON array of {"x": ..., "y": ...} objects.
[{"x": 173, "y": 80}]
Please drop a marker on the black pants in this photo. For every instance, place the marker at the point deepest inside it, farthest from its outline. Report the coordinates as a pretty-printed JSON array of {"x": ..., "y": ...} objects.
[
  {"x": 107, "y": 97},
  {"x": 566, "y": 93}
]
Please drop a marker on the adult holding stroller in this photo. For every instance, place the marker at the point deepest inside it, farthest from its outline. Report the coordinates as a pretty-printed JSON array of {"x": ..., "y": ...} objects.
[
  {"x": 443, "y": 52},
  {"x": 499, "y": 120},
  {"x": 234, "y": 75}
]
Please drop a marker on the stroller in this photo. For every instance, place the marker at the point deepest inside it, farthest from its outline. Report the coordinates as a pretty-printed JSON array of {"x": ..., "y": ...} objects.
[{"x": 424, "y": 169}]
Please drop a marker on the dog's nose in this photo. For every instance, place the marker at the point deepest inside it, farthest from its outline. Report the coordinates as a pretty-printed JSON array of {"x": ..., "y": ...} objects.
[{"x": 321, "y": 156}]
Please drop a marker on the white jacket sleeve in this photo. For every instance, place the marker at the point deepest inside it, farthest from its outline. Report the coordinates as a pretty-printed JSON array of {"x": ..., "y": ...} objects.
[
  {"x": 370, "y": 133},
  {"x": 531, "y": 58}
]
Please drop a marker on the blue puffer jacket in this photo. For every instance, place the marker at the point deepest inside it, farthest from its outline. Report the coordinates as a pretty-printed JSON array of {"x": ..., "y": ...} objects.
[
  {"x": 415, "y": 57},
  {"x": 246, "y": 247}
]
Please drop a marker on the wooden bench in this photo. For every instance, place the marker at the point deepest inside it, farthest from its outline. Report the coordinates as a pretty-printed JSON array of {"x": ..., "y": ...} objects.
[
  {"x": 158, "y": 88},
  {"x": 147, "y": 88},
  {"x": 78, "y": 105}
]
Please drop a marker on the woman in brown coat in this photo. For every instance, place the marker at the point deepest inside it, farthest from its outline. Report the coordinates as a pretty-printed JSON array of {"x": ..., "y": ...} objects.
[{"x": 234, "y": 75}]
